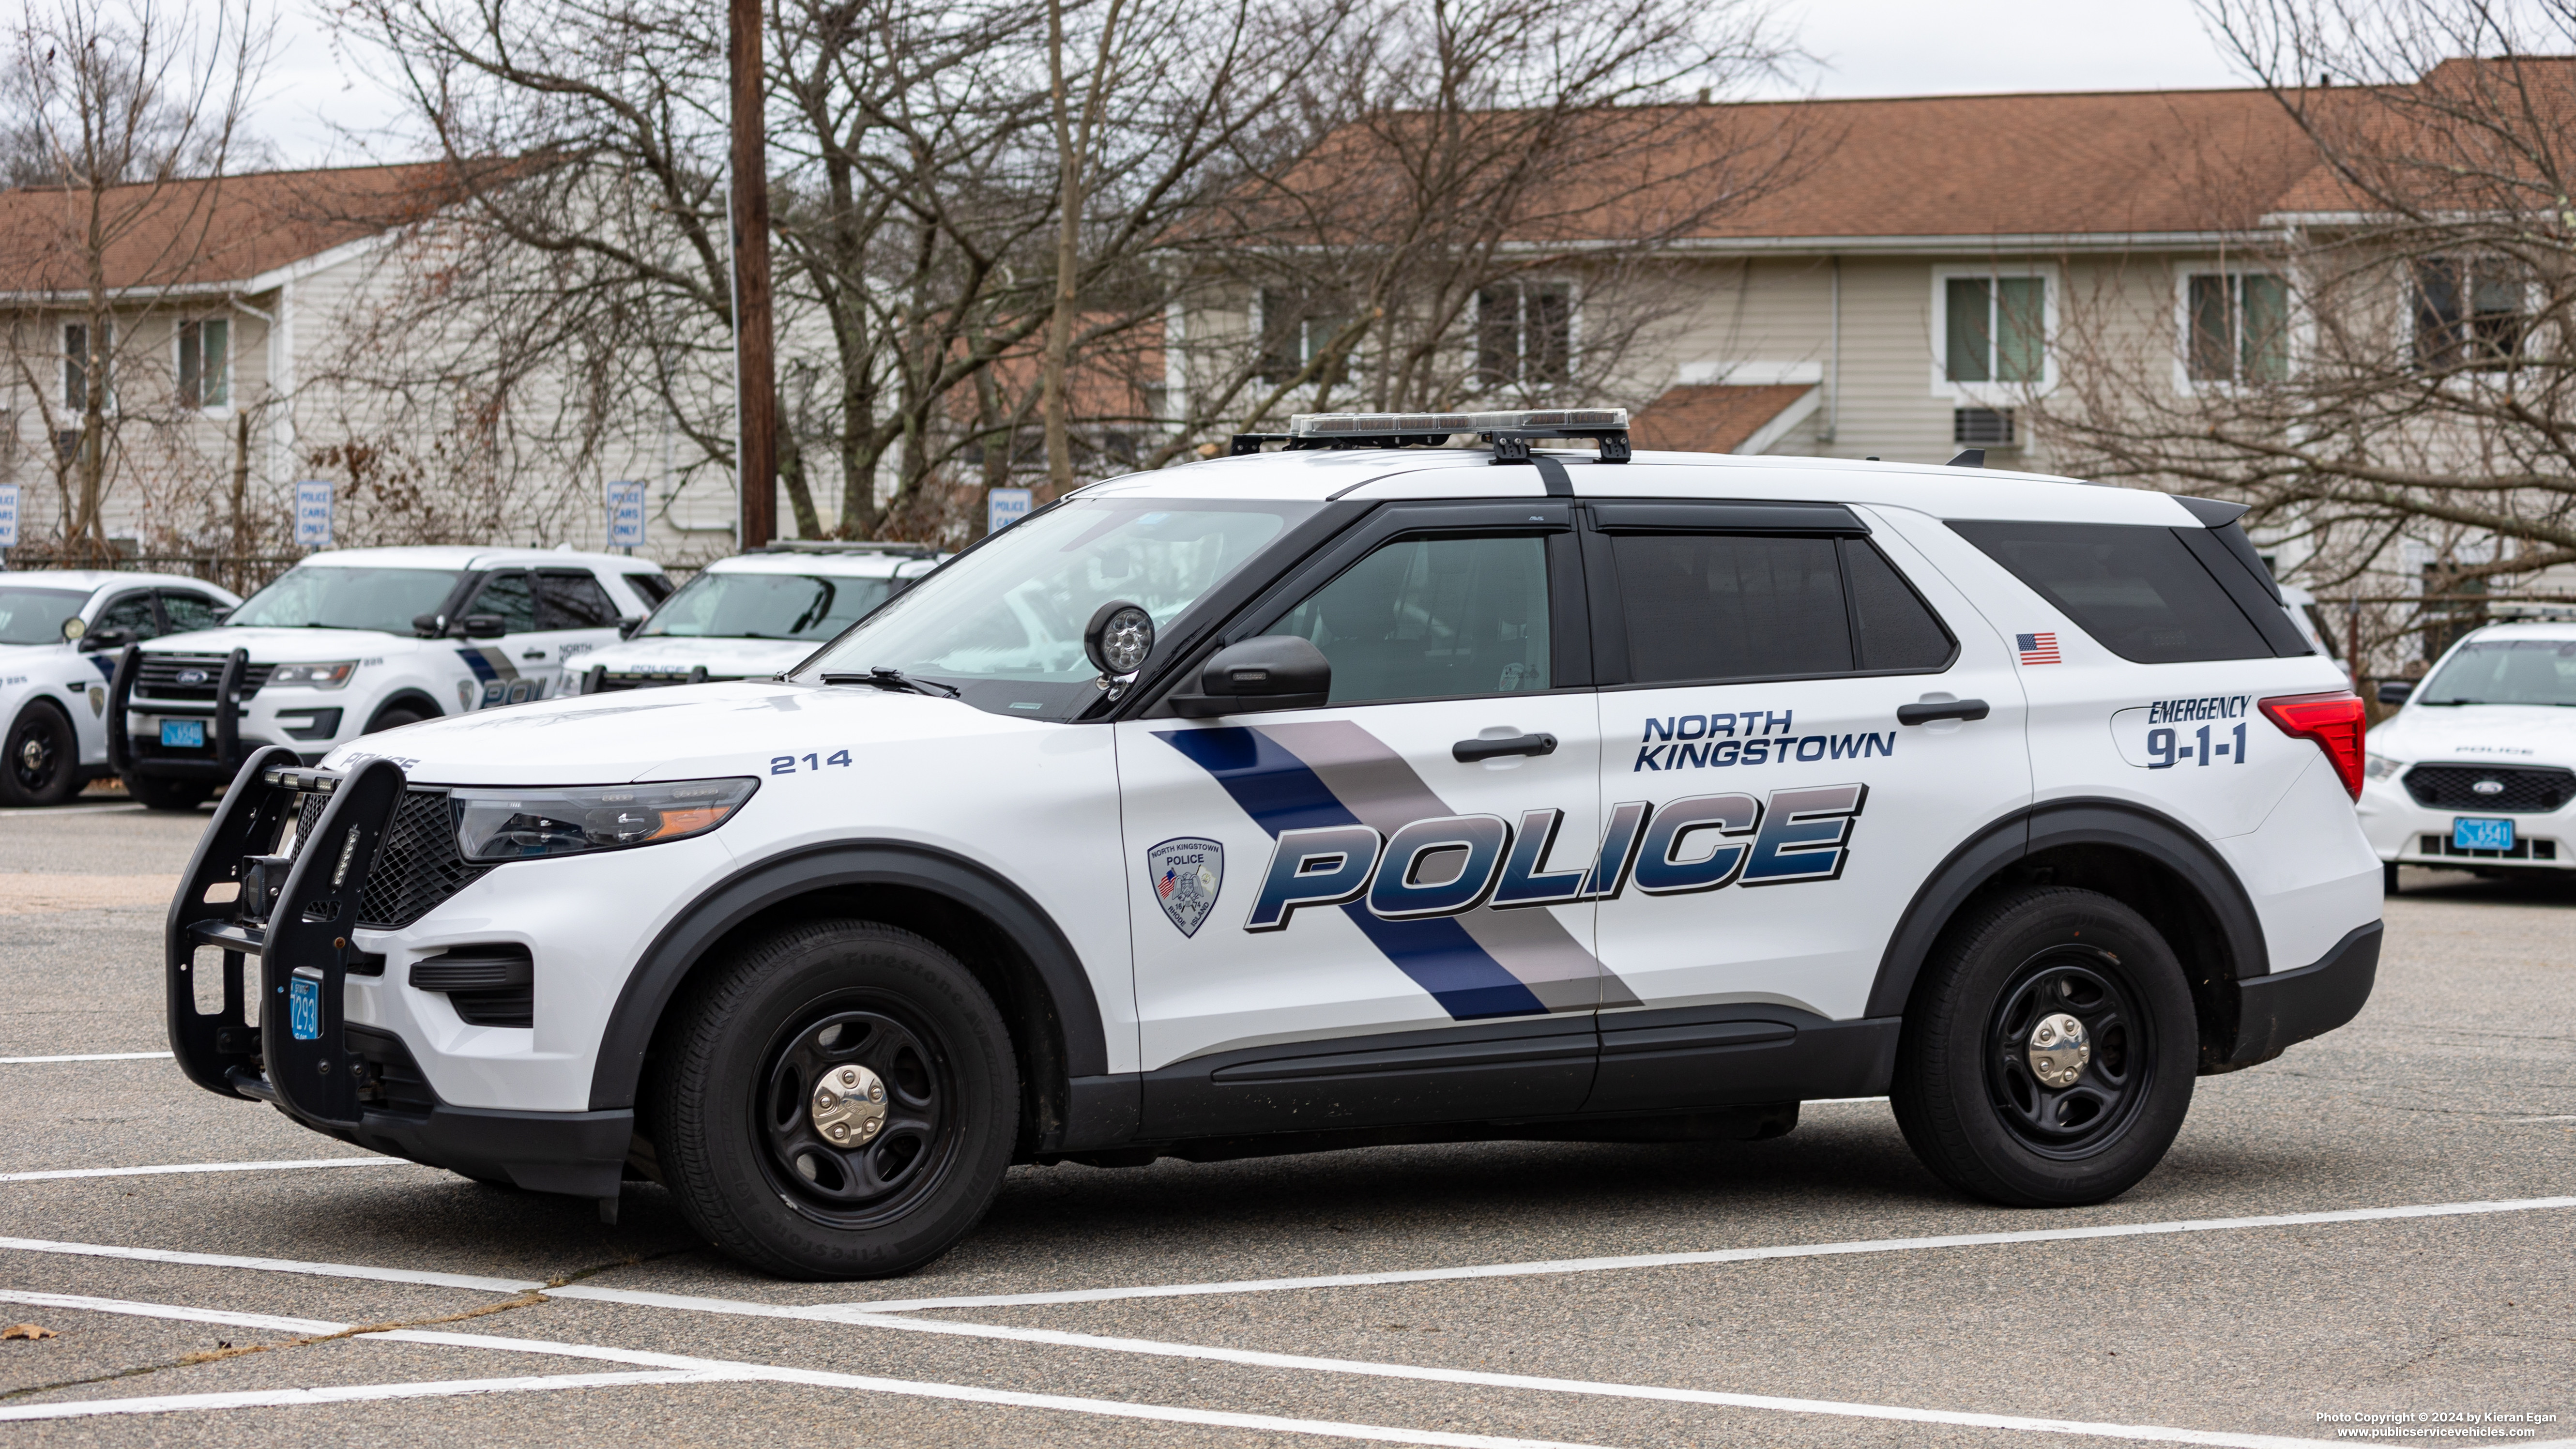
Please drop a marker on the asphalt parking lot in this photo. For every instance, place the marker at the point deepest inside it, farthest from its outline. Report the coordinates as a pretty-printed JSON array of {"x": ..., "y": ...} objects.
[{"x": 2382, "y": 1222}]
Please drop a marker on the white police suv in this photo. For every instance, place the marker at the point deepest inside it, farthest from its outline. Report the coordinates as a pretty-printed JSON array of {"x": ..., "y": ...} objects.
[
  {"x": 753, "y": 615},
  {"x": 2478, "y": 771},
  {"x": 1351, "y": 793},
  {"x": 360, "y": 640},
  {"x": 59, "y": 633}
]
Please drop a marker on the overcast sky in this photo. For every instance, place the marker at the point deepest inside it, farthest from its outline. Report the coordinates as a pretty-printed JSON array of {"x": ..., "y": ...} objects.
[{"x": 1863, "y": 48}]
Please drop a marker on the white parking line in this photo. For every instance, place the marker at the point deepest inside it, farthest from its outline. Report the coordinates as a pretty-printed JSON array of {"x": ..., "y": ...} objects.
[
  {"x": 107, "y": 808},
  {"x": 274, "y": 1265},
  {"x": 183, "y": 1167},
  {"x": 1722, "y": 1255},
  {"x": 678, "y": 1369},
  {"x": 89, "y": 1057}
]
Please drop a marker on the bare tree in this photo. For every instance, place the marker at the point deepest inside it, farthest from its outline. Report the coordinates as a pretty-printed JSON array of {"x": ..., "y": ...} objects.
[
  {"x": 117, "y": 113},
  {"x": 2390, "y": 358}
]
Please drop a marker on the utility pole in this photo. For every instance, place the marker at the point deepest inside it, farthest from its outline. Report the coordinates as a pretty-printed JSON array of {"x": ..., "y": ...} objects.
[{"x": 754, "y": 346}]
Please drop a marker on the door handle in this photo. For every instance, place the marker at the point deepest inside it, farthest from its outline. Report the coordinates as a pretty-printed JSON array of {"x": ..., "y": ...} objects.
[
  {"x": 1914, "y": 714},
  {"x": 1468, "y": 752},
  {"x": 534, "y": 654}
]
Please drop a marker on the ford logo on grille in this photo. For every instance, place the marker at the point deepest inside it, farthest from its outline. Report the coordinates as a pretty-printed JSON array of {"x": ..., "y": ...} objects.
[
  {"x": 2488, "y": 787},
  {"x": 199, "y": 676}
]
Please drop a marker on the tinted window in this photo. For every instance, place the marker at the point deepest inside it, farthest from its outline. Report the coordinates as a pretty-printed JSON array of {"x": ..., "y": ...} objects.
[
  {"x": 131, "y": 613},
  {"x": 507, "y": 596},
  {"x": 2136, "y": 589},
  {"x": 573, "y": 601},
  {"x": 1730, "y": 606},
  {"x": 188, "y": 611},
  {"x": 652, "y": 588},
  {"x": 1429, "y": 618},
  {"x": 1896, "y": 629}
]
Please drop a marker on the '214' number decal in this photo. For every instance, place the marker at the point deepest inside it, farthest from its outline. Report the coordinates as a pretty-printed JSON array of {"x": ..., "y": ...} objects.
[{"x": 786, "y": 764}]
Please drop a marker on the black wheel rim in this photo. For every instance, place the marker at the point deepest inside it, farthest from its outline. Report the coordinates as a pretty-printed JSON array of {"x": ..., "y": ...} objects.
[
  {"x": 863, "y": 1185},
  {"x": 2083, "y": 1117},
  {"x": 36, "y": 754}
]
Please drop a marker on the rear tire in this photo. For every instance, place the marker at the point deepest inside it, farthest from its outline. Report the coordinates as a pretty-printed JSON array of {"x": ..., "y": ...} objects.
[
  {"x": 167, "y": 794},
  {"x": 2388, "y": 877},
  {"x": 1984, "y": 1024},
  {"x": 732, "y": 1109},
  {"x": 40, "y": 759}
]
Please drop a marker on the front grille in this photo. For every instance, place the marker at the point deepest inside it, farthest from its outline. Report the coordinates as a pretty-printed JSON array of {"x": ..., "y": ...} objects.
[
  {"x": 416, "y": 868},
  {"x": 156, "y": 676},
  {"x": 2527, "y": 790},
  {"x": 2523, "y": 849}
]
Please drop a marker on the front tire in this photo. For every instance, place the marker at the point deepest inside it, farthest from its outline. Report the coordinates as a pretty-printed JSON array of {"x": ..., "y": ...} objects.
[
  {"x": 766, "y": 1081},
  {"x": 394, "y": 717},
  {"x": 1999, "y": 1098},
  {"x": 40, "y": 759}
]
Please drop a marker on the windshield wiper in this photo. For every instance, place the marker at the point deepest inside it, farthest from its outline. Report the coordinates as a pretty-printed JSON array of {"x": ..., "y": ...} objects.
[{"x": 895, "y": 679}]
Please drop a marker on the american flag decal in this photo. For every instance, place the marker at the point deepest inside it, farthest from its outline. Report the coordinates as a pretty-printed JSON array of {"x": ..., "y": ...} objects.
[
  {"x": 2037, "y": 648},
  {"x": 1170, "y": 879}
]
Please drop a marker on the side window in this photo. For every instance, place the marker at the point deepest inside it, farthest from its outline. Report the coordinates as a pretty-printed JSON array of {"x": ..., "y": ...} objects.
[
  {"x": 1895, "y": 629},
  {"x": 1731, "y": 606},
  {"x": 131, "y": 613},
  {"x": 573, "y": 601},
  {"x": 508, "y": 596},
  {"x": 187, "y": 611},
  {"x": 2136, "y": 588},
  {"x": 1433, "y": 618}
]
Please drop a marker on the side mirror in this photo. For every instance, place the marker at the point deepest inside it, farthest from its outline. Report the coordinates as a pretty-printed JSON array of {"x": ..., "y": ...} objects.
[
  {"x": 2396, "y": 691},
  {"x": 1276, "y": 671},
  {"x": 626, "y": 627},
  {"x": 429, "y": 626},
  {"x": 484, "y": 626},
  {"x": 99, "y": 639}
]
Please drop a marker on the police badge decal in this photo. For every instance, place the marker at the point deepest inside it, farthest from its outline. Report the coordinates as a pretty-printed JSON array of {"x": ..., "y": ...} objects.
[{"x": 1187, "y": 873}]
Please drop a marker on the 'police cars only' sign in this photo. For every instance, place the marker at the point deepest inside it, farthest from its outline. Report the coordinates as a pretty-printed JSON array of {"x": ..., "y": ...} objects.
[{"x": 313, "y": 515}]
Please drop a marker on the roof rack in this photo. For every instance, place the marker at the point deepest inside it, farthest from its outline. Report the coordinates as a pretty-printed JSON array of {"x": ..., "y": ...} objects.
[
  {"x": 1508, "y": 433},
  {"x": 846, "y": 545}
]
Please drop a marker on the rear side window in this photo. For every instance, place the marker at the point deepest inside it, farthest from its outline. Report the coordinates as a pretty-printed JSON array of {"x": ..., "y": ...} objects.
[
  {"x": 1713, "y": 606},
  {"x": 572, "y": 601},
  {"x": 2136, "y": 588}
]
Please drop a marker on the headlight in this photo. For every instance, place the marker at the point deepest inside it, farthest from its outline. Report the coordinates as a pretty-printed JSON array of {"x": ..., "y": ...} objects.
[
  {"x": 314, "y": 676},
  {"x": 519, "y": 824},
  {"x": 2380, "y": 767}
]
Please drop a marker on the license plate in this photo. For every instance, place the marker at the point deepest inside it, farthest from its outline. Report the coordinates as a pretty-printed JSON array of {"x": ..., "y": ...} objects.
[
  {"x": 187, "y": 734},
  {"x": 2468, "y": 834},
  {"x": 304, "y": 1007}
]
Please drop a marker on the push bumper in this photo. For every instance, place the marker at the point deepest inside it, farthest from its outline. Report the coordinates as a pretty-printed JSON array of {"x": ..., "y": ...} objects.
[
  {"x": 297, "y": 914},
  {"x": 2287, "y": 1007}
]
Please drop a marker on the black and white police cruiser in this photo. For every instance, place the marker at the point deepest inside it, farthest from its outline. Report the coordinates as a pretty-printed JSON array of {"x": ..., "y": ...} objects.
[
  {"x": 756, "y": 614},
  {"x": 2478, "y": 771},
  {"x": 1342, "y": 794},
  {"x": 358, "y": 640}
]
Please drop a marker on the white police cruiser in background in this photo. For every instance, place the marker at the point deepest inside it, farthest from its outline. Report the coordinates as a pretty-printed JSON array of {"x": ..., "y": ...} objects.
[
  {"x": 2478, "y": 771},
  {"x": 60, "y": 630},
  {"x": 1347, "y": 794},
  {"x": 360, "y": 640},
  {"x": 753, "y": 615}
]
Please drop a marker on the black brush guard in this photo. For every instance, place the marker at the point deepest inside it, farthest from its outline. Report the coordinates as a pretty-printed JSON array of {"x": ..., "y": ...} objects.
[{"x": 298, "y": 914}]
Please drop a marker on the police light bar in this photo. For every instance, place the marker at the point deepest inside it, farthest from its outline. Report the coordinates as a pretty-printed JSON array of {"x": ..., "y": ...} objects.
[{"x": 1510, "y": 432}]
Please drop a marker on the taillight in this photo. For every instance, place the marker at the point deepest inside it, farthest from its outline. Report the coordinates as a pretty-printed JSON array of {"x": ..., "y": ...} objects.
[{"x": 2335, "y": 721}]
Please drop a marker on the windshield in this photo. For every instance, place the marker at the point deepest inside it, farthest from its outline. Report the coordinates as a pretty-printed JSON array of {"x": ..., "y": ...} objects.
[
  {"x": 2516, "y": 671},
  {"x": 314, "y": 596},
  {"x": 35, "y": 616},
  {"x": 1003, "y": 624},
  {"x": 765, "y": 606}
]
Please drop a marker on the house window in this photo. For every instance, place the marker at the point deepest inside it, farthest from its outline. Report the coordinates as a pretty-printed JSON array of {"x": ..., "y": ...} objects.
[
  {"x": 205, "y": 372},
  {"x": 1995, "y": 328},
  {"x": 1982, "y": 427},
  {"x": 76, "y": 362},
  {"x": 1295, "y": 330},
  {"x": 2239, "y": 328},
  {"x": 2468, "y": 313},
  {"x": 1524, "y": 335}
]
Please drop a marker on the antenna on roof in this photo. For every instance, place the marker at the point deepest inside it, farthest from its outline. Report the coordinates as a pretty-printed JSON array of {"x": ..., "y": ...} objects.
[{"x": 1969, "y": 458}]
